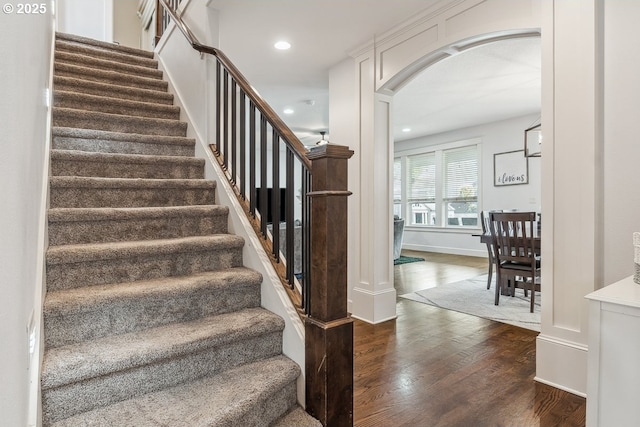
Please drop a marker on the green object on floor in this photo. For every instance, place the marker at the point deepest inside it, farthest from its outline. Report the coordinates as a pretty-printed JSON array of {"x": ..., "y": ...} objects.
[{"x": 406, "y": 260}]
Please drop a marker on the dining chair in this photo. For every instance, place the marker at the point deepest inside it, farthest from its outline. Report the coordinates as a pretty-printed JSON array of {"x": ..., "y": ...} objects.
[
  {"x": 486, "y": 228},
  {"x": 514, "y": 248}
]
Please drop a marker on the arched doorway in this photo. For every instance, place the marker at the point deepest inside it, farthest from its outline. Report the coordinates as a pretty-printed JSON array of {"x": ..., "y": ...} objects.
[
  {"x": 450, "y": 122},
  {"x": 372, "y": 294}
]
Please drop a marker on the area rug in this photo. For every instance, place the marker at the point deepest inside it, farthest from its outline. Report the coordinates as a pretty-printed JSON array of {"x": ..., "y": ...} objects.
[
  {"x": 472, "y": 297},
  {"x": 406, "y": 260}
]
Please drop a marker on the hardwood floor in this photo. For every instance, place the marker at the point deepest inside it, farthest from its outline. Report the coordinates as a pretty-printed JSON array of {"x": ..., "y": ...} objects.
[
  {"x": 436, "y": 367},
  {"x": 437, "y": 269}
]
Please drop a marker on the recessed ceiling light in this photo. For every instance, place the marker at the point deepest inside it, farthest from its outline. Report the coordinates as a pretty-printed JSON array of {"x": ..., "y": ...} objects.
[
  {"x": 288, "y": 111},
  {"x": 406, "y": 130},
  {"x": 282, "y": 45}
]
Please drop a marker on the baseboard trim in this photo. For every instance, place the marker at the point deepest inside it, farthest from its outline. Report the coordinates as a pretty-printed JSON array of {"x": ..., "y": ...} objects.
[
  {"x": 446, "y": 250},
  {"x": 373, "y": 306},
  {"x": 377, "y": 321},
  {"x": 560, "y": 386},
  {"x": 561, "y": 364}
]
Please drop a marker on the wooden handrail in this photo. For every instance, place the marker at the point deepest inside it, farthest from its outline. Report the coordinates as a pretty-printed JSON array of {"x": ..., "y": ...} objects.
[{"x": 283, "y": 130}]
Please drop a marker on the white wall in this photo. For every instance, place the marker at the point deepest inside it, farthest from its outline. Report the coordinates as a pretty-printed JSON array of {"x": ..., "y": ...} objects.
[
  {"x": 497, "y": 137},
  {"x": 187, "y": 73},
  {"x": 92, "y": 19},
  {"x": 621, "y": 148},
  {"x": 126, "y": 24},
  {"x": 25, "y": 49}
]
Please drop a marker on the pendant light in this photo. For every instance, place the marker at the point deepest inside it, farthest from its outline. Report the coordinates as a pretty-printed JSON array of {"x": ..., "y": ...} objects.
[{"x": 322, "y": 140}]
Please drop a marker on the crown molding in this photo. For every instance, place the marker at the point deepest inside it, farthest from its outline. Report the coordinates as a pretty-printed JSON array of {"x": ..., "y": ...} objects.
[{"x": 410, "y": 24}]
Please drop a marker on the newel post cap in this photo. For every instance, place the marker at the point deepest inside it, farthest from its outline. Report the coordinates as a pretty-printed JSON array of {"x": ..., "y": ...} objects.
[{"x": 329, "y": 150}]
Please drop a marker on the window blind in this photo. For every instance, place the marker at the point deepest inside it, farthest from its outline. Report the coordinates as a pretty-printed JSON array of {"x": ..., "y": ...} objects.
[
  {"x": 421, "y": 178},
  {"x": 397, "y": 180},
  {"x": 461, "y": 174}
]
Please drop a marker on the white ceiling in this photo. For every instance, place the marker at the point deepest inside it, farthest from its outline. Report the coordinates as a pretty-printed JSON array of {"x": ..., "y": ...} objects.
[{"x": 487, "y": 83}]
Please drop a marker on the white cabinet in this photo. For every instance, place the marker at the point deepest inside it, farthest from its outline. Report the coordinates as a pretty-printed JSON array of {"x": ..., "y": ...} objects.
[{"x": 613, "y": 378}]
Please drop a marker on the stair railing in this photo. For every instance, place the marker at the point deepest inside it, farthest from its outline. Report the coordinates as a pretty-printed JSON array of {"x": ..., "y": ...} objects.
[
  {"x": 251, "y": 143},
  {"x": 163, "y": 18}
]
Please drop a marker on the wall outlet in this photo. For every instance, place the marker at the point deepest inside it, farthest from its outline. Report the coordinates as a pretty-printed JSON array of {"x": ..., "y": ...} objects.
[
  {"x": 31, "y": 335},
  {"x": 47, "y": 98},
  {"x": 532, "y": 201}
]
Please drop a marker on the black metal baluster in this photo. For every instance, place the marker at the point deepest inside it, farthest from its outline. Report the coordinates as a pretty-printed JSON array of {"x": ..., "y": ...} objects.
[
  {"x": 225, "y": 116},
  {"x": 289, "y": 207},
  {"x": 306, "y": 241},
  {"x": 218, "y": 106},
  {"x": 252, "y": 159},
  {"x": 243, "y": 145},
  {"x": 165, "y": 20},
  {"x": 263, "y": 176},
  {"x": 275, "y": 202},
  {"x": 234, "y": 133}
]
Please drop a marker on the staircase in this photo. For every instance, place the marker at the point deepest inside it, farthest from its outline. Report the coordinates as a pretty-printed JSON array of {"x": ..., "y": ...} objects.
[{"x": 150, "y": 318}]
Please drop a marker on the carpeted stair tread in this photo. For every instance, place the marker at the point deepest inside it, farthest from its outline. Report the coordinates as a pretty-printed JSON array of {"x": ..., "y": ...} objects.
[
  {"x": 97, "y": 182},
  {"x": 101, "y": 45},
  {"x": 96, "y": 225},
  {"x": 114, "y": 55},
  {"x": 113, "y": 165},
  {"x": 106, "y": 214},
  {"x": 113, "y": 250},
  {"x": 89, "y": 87},
  {"x": 82, "y": 101},
  {"x": 76, "y": 266},
  {"x": 74, "y": 58},
  {"x": 76, "y": 315},
  {"x": 77, "y": 362},
  {"x": 119, "y": 142},
  {"x": 69, "y": 117},
  {"x": 86, "y": 156},
  {"x": 89, "y": 299},
  {"x": 107, "y": 76},
  {"x": 88, "y": 192},
  {"x": 243, "y": 396},
  {"x": 92, "y": 192},
  {"x": 297, "y": 417}
]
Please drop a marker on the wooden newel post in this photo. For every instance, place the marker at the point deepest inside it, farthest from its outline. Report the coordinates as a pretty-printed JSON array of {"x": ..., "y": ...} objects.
[{"x": 328, "y": 326}]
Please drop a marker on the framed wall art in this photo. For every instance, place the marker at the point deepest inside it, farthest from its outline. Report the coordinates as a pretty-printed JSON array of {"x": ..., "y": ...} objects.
[{"x": 510, "y": 168}]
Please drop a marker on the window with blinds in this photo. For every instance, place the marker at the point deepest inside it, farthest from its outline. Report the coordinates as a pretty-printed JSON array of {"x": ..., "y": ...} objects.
[
  {"x": 441, "y": 187},
  {"x": 397, "y": 187},
  {"x": 460, "y": 195},
  {"x": 421, "y": 188}
]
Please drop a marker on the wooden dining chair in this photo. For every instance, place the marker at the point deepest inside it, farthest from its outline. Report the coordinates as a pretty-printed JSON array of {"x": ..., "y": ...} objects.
[
  {"x": 517, "y": 261},
  {"x": 486, "y": 229}
]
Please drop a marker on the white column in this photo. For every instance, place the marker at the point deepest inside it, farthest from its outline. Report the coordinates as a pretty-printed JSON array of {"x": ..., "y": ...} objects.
[
  {"x": 572, "y": 188},
  {"x": 622, "y": 106},
  {"x": 373, "y": 296}
]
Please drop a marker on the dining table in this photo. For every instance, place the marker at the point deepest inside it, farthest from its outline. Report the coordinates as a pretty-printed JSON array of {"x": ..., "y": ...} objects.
[{"x": 487, "y": 239}]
